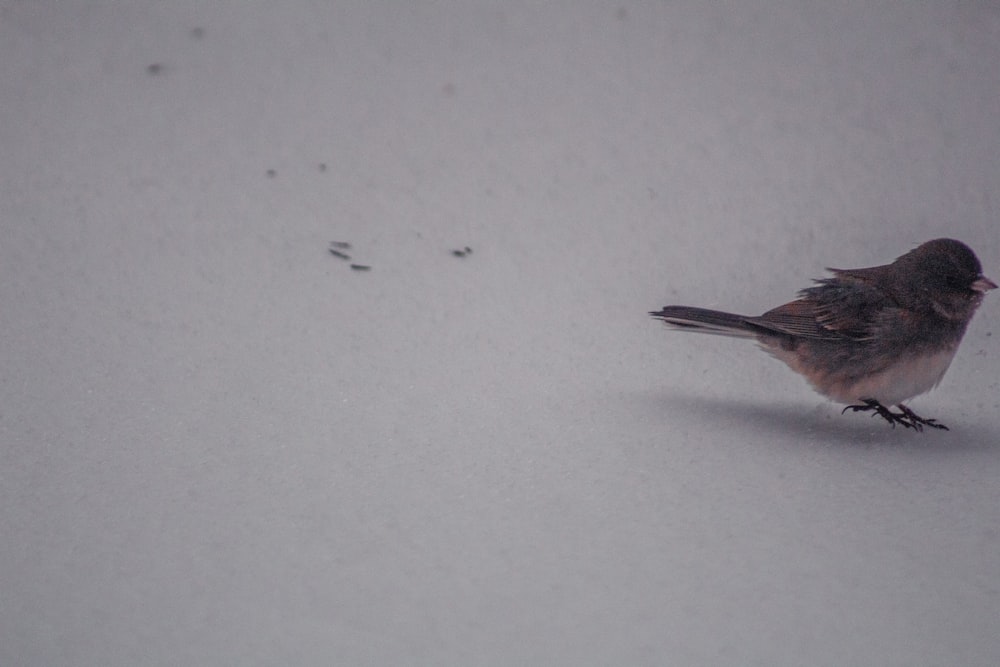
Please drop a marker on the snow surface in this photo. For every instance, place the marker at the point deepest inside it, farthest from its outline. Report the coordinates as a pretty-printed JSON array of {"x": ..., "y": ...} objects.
[{"x": 221, "y": 445}]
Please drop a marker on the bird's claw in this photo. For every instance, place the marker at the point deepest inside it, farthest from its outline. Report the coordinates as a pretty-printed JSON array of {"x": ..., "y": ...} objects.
[
  {"x": 907, "y": 417},
  {"x": 919, "y": 421}
]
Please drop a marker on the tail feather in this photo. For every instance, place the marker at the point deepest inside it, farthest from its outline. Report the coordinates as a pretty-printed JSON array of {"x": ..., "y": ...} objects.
[{"x": 702, "y": 320}]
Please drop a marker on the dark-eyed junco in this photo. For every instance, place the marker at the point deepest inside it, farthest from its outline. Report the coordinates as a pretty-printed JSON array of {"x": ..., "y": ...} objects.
[{"x": 871, "y": 338}]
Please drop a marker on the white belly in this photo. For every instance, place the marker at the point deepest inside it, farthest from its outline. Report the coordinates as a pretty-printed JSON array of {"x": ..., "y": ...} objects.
[{"x": 896, "y": 384}]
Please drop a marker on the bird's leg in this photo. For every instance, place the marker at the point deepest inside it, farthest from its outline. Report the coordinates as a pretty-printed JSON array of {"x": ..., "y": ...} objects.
[
  {"x": 917, "y": 420},
  {"x": 876, "y": 408}
]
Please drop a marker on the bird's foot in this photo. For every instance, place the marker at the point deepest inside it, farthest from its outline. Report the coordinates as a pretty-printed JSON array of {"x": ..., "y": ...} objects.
[
  {"x": 907, "y": 417},
  {"x": 876, "y": 408},
  {"x": 917, "y": 421}
]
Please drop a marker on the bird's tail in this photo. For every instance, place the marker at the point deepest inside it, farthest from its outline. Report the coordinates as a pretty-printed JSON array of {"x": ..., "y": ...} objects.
[{"x": 702, "y": 320}]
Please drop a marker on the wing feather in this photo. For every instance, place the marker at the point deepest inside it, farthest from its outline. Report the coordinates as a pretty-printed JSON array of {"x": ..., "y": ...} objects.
[{"x": 846, "y": 306}]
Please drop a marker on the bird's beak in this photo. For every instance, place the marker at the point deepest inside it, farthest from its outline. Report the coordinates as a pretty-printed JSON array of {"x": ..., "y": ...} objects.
[{"x": 983, "y": 284}]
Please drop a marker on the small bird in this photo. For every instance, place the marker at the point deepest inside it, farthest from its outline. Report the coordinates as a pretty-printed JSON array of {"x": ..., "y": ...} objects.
[{"x": 871, "y": 338}]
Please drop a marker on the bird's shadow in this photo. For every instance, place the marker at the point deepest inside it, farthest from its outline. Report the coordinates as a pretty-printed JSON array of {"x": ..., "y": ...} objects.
[{"x": 825, "y": 423}]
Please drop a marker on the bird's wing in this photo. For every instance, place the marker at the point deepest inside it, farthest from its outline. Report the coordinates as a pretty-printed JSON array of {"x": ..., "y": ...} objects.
[{"x": 846, "y": 306}]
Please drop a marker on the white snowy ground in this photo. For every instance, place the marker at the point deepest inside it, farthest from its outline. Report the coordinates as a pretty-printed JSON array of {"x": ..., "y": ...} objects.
[{"x": 221, "y": 445}]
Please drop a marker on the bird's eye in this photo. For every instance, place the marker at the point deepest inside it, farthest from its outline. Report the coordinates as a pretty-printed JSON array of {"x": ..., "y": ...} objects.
[{"x": 958, "y": 283}]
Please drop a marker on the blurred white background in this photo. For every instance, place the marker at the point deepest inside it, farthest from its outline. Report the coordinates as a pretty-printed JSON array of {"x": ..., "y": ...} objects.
[{"x": 221, "y": 445}]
